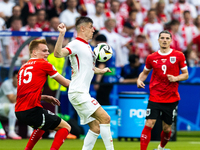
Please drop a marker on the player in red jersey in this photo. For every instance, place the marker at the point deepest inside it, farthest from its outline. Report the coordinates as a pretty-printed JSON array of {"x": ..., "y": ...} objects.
[
  {"x": 31, "y": 78},
  {"x": 166, "y": 64}
]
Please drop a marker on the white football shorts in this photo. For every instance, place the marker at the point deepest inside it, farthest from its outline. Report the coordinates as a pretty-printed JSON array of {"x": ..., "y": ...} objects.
[{"x": 85, "y": 106}]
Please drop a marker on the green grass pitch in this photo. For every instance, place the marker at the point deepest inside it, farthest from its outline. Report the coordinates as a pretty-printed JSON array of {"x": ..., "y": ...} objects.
[{"x": 185, "y": 141}]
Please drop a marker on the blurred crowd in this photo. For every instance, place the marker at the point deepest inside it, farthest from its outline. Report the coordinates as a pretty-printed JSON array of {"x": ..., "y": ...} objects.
[{"x": 130, "y": 26}]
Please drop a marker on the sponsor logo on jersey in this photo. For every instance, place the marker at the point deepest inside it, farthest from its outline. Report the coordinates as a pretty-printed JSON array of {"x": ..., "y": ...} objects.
[
  {"x": 155, "y": 61},
  {"x": 172, "y": 59},
  {"x": 163, "y": 60}
]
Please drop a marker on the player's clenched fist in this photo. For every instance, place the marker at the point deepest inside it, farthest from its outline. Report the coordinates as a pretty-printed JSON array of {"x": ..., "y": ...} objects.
[
  {"x": 62, "y": 28},
  {"x": 171, "y": 78}
]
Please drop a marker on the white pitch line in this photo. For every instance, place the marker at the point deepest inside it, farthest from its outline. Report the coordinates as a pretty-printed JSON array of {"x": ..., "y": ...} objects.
[{"x": 194, "y": 142}]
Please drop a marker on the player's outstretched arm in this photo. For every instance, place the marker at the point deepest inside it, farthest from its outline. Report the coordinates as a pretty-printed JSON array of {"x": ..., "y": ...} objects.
[
  {"x": 62, "y": 80},
  {"x": 50, "y": 99},
  {"x": 181, "y": 77},
  {"x": 99, "y": 76},
  {"x": 58, "y": 50},
  {"x": 101, "y": 71},
  {"x": 142, "y": 77}
]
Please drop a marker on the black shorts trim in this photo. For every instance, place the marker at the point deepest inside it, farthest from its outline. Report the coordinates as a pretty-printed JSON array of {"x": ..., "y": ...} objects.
[
  {"x": 39, "y": 118},
  {"x": 167, "y": 111}
]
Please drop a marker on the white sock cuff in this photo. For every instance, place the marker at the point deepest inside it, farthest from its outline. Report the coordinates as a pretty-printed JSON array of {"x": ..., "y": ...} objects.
[
  {"x": 105, "y": 125},
  {"x": 93, "y": 133}
]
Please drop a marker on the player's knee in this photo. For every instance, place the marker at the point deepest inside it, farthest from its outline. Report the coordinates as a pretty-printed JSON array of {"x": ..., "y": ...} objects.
[
  {"x": 95, "y": 129},
  {"x": 63, "y": 124},
  {"x": 68, "y": 127},
  {"x": 107, "y": 119},
  {"x": 150, "y": 123},
  {"x": 166, "y": 129}
]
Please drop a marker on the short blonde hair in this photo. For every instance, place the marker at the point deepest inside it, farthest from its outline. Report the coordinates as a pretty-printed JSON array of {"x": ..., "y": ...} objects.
[{"x": 34, "y": 44}]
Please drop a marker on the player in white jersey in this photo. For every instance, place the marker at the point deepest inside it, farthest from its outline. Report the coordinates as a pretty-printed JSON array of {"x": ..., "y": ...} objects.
[{"x": 83, "y": 68}]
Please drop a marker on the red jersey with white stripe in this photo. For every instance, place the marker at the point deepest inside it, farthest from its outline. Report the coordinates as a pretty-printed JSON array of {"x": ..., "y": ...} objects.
[
  {"x": 161, "y": 89},
  {"x": 31, "y": 78},
  {"x": 82, "y": 62}
]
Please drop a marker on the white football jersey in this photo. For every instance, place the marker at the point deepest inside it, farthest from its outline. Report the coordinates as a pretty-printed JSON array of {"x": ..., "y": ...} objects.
[
  {"x": 83, "y": 64},
  {"x": 6, "y": 89}
]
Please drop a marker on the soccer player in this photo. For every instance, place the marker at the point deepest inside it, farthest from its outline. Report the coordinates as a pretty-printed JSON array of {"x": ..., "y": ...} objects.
[
  {"x": 8, "y": 95},
  {"x": 31, "y": 78},
  {"x": 164, "y": 97},
  {"x": 83, "y": 68}
]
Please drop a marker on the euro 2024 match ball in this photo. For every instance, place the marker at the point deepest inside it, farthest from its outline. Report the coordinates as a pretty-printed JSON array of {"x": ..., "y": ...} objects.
[{"x": 103, "y": 52}]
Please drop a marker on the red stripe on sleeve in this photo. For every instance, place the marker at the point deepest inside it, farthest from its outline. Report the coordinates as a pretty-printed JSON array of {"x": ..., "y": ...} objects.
[{"x": 70, "y": 52}]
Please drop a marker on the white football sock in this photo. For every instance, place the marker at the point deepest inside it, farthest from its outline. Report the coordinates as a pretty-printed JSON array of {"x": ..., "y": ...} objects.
[
  {"x": 90, "y": 140},
  {"x": 11, "y": 118},
  {"x": 106, "y": 136}
]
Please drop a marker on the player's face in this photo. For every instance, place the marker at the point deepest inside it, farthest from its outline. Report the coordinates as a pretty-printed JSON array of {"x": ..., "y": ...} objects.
[
  {"x": 89, "y": 30},
  {"x": 15, "y": 80},
  {"x": 42, "y": 52},
  {"x": 164, "y": 40}
]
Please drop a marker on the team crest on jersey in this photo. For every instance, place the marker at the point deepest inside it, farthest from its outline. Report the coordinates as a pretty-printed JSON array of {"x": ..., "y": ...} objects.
[{"x": 172, "y": 59}]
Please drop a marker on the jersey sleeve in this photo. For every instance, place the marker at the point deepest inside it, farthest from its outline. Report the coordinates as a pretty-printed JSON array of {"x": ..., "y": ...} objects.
[
  {"x": 7, "y": 88},
  {"x": 148, "y": 65},
  {"x": 50, "y": 69},
  {"x": 182, "y": 62},
  {"x": 71, "y": 48}
]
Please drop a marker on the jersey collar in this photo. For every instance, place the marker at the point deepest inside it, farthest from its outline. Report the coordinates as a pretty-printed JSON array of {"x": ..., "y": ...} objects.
[
  {"x": 159, "y": 52},
  {"x": 82, "y": 40}
]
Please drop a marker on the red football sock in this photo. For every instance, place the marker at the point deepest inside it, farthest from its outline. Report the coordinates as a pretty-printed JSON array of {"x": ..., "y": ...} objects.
[
  {"x": 60, "y": 136},
  {"x": 145, "y": 137},
  {"x": 165, "y": 137},
  {"x": 35, "y": 136}
]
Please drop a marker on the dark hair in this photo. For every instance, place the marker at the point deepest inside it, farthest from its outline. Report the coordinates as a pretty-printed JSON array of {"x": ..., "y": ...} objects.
[
  {"x": 128, "y": 25},
  {"x": 98, "y": 2},
  {"x": 132, "y": 58},
  {"x": 114, "y": 1},
  {"x": 83, "y": 19},
  {"x": 165, "y": 31},
  {"x": 15, "y": 19},
  {"x": 15, "y": 72},
  {"x": 32, "y": 15},
  {"x": 150, "y": 10},
  {"x": 132, "y": 11},
  {"x": 39, "y": 10},
  {"x": 186, "y": 12},
  {"x": 101, "y": 38},
  {"x": 174, "y": 22}
]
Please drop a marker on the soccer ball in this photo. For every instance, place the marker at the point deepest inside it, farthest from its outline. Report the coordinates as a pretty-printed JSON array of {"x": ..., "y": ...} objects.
[{"x": 103, "y": 52}]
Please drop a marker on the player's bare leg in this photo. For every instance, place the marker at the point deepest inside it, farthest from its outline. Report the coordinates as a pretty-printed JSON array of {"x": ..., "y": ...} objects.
[
  {"x": 92, "y": 135},
  {"x": 146, "y": 133},
  {"x": 104, "y": 122},
  {"x": 165, "y": 135},
  {"x": 63, "y": 130}
]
